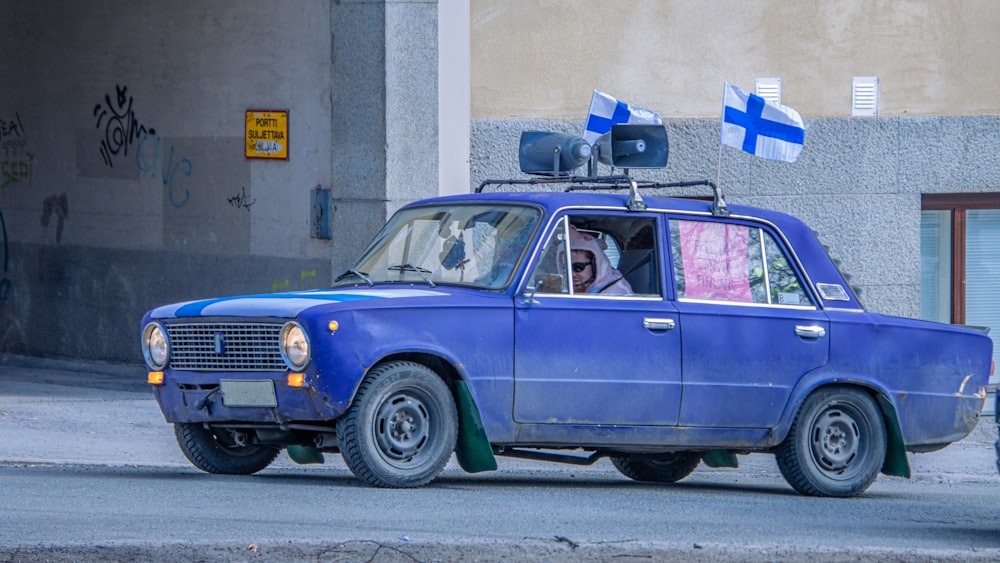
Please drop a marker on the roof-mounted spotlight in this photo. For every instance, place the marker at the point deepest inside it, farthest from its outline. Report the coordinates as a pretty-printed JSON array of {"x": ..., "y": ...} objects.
[
  {"x": 552, "y": 154},
  {"x": 633, "y": 146}
]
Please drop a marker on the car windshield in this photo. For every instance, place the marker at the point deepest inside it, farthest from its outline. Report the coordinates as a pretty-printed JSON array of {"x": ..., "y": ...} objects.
[{"x": 472, "y": 245}]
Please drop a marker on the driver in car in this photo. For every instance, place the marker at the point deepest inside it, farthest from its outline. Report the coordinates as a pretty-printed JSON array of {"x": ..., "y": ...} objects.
[{"x": 592, "y": 271}]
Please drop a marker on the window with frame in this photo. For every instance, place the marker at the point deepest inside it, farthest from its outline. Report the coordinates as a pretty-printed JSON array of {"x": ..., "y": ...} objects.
[
  {"x": 731, "y": 262},
  {"x": 960, "y": 260}
]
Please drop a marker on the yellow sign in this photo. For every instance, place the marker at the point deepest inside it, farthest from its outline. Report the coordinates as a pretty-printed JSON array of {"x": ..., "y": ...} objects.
[{"x": 267, "y": 134}]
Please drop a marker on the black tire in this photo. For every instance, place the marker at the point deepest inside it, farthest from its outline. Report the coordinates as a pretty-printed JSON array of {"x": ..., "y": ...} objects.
[
  {"x": 836, "y": 446},
  {"x": 401, "y": 428},
  {"x": 659, "y": 468},
  {"x": 222, "y": 451}
]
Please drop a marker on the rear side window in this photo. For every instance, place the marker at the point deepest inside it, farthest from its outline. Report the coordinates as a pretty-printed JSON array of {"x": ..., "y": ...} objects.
[{"x": 716, "y": 261}]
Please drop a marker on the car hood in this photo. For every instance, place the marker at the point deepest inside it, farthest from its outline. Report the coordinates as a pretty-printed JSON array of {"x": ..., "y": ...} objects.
[{"x": 286, "y": 305}]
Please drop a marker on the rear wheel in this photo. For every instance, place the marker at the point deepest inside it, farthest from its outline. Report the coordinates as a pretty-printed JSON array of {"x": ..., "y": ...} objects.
[
  {"x": 223, "y": 451},
  {"x": 401, "y": 428},
  {"x": 658, "y": 468},
  {"x": 836, "y": 446}
]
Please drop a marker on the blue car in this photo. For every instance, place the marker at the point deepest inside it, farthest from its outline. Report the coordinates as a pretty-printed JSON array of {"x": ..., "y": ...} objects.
[{"x": 569, "y": 326}]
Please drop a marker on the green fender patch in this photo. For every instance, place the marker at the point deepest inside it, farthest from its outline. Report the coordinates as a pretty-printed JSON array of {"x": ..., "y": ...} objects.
[
  {"x": 473, "y": 450},
  {"x": 304, "y": 454},
  {"x": 896, "y": 462},
  {"x": 719, "y": 458}
]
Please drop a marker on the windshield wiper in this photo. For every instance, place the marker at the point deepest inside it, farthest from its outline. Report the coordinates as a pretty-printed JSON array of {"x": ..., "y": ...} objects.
[
  {"x": 409, "y": 268},
  {"x": 353, "y": 272}
]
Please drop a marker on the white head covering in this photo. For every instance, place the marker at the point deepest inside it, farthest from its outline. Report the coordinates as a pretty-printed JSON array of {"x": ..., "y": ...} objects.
[{"x": 607, "y": 280}]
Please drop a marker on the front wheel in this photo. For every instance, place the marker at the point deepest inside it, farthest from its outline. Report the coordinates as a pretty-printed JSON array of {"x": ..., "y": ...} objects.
[
  {"x": 659, "y": 468},
  {"x": 401, "y": 428},
  {"x": 220, "y": 450},
  {"x": 836, "y": 446}
]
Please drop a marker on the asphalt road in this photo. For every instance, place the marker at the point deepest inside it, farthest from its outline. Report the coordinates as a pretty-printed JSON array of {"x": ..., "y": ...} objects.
[{"x": 90, "y": 471}]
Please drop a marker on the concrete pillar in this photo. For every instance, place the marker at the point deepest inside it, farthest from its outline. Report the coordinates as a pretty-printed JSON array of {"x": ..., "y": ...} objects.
[{"x": 384, "y": 116}]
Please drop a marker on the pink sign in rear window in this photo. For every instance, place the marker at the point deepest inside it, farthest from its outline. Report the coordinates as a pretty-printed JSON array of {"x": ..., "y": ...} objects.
[{"x": 714, "y": 257}]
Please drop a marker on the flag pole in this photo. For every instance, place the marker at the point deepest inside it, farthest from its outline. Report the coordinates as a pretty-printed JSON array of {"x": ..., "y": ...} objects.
[{"x": 718, "y": 170}]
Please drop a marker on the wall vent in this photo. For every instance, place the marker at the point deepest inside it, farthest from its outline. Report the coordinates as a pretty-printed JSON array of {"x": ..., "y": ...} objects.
[
  {"x": 769, "y": 89},
  {"x": 864, "y": 96}
]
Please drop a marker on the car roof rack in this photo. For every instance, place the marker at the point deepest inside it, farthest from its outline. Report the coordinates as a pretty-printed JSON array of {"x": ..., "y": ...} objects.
[
  {"x": 619, "y": 182},
  {"x": 551, "y": 158}
]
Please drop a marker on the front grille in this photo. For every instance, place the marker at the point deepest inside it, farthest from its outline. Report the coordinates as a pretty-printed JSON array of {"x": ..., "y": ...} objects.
[{"x": 225, "y": 346}]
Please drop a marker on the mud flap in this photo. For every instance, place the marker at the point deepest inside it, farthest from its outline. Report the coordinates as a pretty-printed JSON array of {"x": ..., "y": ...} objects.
[
  {"x": 719, "y": 458},
  {"x": 303, "y": 455},
  {"x": 473, "y": 449},
  {"x": 896, "y": 462}
]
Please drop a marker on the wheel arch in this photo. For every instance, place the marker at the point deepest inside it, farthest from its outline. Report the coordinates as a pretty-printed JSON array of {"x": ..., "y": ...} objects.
[
  {"x": 896, "y": 463},
  {"x": 473, "y": 450}
]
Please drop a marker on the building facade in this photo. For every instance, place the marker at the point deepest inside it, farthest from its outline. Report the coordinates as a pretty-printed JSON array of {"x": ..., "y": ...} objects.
[{"x": 126, "y": 183}]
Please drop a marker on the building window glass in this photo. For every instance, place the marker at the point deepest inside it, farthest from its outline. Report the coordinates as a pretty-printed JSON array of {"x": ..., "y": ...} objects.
[
  {"x": 982, "y": 270},
  {"x": 960, "y": 261},
  {"x": 935, "y": 266}
]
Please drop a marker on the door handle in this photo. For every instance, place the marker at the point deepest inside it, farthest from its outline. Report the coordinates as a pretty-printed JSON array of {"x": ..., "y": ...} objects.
[
  {"x": 810, "y": 331},
  {"x": 658, "y": 324}
]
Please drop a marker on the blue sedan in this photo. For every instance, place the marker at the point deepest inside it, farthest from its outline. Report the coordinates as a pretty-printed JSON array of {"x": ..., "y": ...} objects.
[{"x": 570, "y": 326}]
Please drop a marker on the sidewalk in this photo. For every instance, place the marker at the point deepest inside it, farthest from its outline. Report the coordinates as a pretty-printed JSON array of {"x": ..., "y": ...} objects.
[{"x": 63, "y": 412}]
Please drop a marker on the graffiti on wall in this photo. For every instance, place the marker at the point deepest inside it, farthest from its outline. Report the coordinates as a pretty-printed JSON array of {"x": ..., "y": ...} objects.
[
  {"x": 17, "y": 161},
  {"x": 149, "y": 158},
  {"x": 304, "y": 276},
  {"x": 57, "y": 205},
  {"x": 121, "y": 127},
  {"x": 241, "y": 200}
]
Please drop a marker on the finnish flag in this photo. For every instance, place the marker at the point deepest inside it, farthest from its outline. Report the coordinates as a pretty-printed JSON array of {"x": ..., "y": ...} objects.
[
  {"x": 606, "y": 111},
  {"x": 759, "y": 127}
]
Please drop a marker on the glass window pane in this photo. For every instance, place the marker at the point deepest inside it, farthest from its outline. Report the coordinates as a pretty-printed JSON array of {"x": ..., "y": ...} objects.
[
  {"x": 549, "y": 275},
  {"x": 935, "y": 265},
  {"x": 786, "y": 288},
  {"x": 982, "y": 270}
]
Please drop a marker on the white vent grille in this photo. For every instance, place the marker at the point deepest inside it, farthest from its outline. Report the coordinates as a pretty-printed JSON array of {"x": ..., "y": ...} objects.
[
  {"x": 864, "y": 98},
  {"x": 769, "y": 89}
]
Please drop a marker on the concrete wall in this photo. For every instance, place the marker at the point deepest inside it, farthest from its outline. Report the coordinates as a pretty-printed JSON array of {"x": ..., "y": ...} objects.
[
  {"x": 857, "y": 184},
  {"x": 859, "y": 180},
  {"x": 125, "y": 184}
]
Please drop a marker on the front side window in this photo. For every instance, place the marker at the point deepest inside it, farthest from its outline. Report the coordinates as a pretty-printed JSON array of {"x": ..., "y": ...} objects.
[
  {"x": 609, "y": 255},
  {"x": 716, "y": 261},
  {"x": 471, "y": 245}
]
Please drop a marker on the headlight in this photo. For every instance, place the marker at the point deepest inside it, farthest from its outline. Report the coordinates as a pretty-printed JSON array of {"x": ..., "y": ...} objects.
[
  {"x": 155, "y": 346},
  {"x": 294, "y": 346}
]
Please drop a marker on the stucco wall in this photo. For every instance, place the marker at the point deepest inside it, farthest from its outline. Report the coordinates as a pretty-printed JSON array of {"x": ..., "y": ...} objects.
[{"x": 542, "y": 59}]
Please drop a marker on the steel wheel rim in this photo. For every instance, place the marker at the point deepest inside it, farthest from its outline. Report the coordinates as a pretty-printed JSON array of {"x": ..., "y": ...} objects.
[
  {"x": 402, "y": 427},
  {"x": 835, "y": 441}
]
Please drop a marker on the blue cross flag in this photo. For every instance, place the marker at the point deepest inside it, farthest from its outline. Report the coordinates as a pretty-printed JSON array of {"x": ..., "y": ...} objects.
[
  {"x": 759, "y": 127},
  {"x": 606, "y": 111}
]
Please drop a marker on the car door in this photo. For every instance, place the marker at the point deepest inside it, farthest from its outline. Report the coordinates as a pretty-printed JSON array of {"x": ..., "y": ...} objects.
[
  {"x": 597, "y": 359},
  {"x": 749, "y": 326}
]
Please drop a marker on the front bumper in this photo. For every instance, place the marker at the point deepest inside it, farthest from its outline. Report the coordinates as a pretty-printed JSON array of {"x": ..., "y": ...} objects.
[{"x": 199, "y": 397}]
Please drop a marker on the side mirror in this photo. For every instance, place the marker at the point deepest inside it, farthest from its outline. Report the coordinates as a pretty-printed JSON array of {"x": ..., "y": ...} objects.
[
  {"x": 551, "y": 154},
  {"x": 633, "y": 146}
]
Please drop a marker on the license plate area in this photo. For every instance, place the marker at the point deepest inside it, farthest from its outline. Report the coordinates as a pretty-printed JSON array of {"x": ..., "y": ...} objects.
[{"x": 248, "y": 393}]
